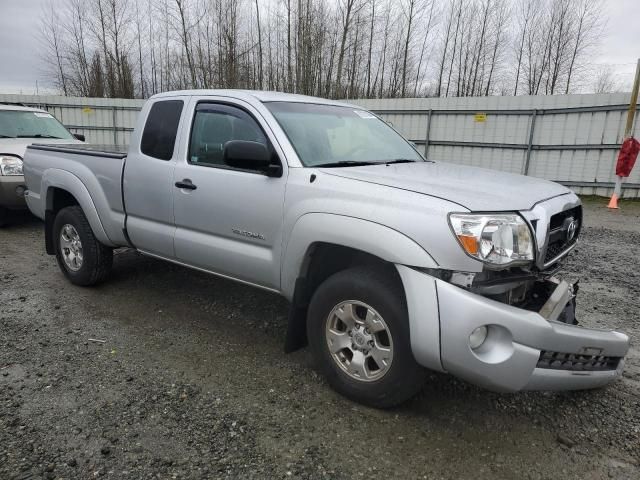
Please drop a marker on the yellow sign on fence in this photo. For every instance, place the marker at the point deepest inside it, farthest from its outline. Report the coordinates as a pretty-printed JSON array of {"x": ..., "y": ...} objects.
[
  {"x": 87, "y": 110},
  {"x": 480, "y": 117}
]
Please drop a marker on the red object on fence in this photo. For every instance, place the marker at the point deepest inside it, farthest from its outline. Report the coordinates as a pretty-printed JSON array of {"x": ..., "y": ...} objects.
[{"x": 627, "y": 157}]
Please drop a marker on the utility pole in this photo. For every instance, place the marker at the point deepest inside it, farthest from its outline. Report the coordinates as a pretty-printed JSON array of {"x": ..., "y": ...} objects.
[
  {"x": 628, "y": 132},
  {"x": 632, "y": 105}
]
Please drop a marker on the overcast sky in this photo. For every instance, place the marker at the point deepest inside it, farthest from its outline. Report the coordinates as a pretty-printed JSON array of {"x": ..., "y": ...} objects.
[{"x": 20, "y": 63}]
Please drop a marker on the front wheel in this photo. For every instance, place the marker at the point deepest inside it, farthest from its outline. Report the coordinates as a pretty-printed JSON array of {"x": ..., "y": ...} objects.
[
  {"x": 81, "y": 257},
  {"x": 358, "y": 330}
]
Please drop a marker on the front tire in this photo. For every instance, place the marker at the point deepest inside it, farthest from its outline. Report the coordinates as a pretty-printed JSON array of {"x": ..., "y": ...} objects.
[
  {"x": 81, "y": 257},
  {"x": 358, "y": 330}
]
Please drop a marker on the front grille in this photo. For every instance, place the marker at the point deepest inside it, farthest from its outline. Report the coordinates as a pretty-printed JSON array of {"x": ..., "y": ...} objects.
[
  {"x": 558, "y": 242},
  {"x": 556, "y": 248},
  {"x": 577, "y": 363}
]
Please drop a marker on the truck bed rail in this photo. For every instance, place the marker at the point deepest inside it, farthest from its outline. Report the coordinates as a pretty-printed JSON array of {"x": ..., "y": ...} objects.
[{"x": 108, "y": 151}]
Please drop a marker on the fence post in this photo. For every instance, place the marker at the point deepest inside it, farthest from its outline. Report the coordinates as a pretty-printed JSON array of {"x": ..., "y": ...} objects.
[
  {"x": 426, "y": 140},
  {"x": 527, "y": 158},
  {"x": 115, "y": 128}
]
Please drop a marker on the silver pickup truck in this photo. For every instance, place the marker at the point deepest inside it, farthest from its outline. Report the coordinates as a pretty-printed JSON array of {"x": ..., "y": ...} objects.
[{"x": 393, "y": 264}]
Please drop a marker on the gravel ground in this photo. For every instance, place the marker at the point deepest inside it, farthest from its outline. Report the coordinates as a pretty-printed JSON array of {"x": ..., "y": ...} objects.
[{"x": 189, "y": 380}]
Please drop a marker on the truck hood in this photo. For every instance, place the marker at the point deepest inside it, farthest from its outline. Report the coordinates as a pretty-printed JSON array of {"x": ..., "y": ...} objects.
[
  {"x": 18, "y": 146},
  {"x": 477, "y": 189}
]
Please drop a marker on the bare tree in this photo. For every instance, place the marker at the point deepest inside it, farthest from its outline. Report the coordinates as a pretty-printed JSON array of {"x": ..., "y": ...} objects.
[
  {"x": 140, "y": 61},
  {"x": 500, "y": 20},
  {"x": 53, "y": 46},
  {"x": 348, "y": 10},
  {"x": 412, "y": 8},
  {"x": 260, "y": 57},
  {"x": 526, "y": 12},
  {"x": 364, "y": 48},
  {"x": 588, "y": 25},
  {"x": 604, "y": 80},
  {"x": 423, "y": 50},
  {"x": 183, "y": 26}
]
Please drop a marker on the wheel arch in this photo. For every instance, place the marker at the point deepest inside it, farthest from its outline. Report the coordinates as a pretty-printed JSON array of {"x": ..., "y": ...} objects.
[
  {"x": 360, "y": 235},
  {"x": 63, "y": 189},
  {"x": 323, "y": 244}
]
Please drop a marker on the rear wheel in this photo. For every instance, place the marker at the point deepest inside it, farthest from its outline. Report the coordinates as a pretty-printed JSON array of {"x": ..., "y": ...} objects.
[
  {"x": 81, "y": 257},
  {"x": 358, "y": 330}
]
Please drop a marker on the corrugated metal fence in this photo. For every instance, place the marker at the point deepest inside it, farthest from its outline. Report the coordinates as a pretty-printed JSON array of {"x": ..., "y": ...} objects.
[{"x": 573, "y": 139}]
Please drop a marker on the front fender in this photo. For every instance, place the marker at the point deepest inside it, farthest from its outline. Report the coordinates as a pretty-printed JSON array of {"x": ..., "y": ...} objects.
[
  {"x": 370, "y": 237},
  {"x": 56, "y": 178}
]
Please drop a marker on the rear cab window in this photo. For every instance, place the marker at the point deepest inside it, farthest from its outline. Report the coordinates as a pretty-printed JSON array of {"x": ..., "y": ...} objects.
[{"x": 161, "y": 129}]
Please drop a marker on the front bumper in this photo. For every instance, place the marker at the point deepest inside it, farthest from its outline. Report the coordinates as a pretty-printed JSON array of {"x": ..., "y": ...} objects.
[
  {"x": 12, "y": 190},
  {"x": 523, "y": 350},
  {"x": 522, "y": 346}
]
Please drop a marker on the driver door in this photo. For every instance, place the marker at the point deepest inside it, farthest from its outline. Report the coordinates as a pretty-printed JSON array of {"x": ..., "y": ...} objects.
[{"x": 228, "y": 220}]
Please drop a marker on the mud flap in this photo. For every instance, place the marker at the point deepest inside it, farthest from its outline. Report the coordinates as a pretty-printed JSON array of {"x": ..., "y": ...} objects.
[
  {"x": 49, "y": 217},
  {"x": 297, "y": 324}
]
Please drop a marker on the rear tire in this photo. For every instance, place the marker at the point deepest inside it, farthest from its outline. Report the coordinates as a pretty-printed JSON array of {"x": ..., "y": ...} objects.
[
  {"x": 379, "y": 341},
  {"x": 81, "y": 257}
]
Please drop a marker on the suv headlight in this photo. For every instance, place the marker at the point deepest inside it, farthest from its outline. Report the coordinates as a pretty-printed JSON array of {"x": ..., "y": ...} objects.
[
  {"x": 498, "y": 239},
  {"x": 10, "y": 166}
]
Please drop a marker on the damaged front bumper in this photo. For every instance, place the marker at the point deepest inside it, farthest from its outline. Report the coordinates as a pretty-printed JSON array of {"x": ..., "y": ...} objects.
[{"x": 523, "y": 349}]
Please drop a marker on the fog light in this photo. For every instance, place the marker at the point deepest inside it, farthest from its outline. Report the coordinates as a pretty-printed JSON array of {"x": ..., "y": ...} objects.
[
  {"x": 20, "y": 191},
  {"x": 477, "y": 337}
]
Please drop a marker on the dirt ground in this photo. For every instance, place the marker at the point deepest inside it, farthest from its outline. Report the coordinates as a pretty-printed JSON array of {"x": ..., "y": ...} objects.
[{"x": 189, "y": 380}]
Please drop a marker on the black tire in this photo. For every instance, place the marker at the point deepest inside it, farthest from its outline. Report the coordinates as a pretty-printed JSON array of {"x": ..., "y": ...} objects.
[
  {"x": 97, "y": 258},
  {"x": 382, "y": 290},
  {"x": 4, "y": 213}
]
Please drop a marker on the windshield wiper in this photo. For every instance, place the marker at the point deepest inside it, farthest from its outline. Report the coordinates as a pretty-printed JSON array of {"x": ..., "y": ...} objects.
[
  {"x": 345, "y": 163},
  {"x": 38, "y": 135},
  {"x": 6, "y": 136},
  {"x": 400, "y": 160}
]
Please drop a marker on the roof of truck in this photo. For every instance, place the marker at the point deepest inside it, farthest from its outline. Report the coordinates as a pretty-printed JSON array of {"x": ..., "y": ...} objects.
[{"x": 260, "y": 95}]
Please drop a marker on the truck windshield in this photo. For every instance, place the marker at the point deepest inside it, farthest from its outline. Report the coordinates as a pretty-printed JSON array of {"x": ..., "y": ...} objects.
[
  {"x": 27, "y": 124},
  {"x": 336, "y": 136}
]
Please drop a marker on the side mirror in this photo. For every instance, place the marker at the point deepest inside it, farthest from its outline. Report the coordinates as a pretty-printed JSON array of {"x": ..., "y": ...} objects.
[
  {"x": 79, "y": 136},
  {"x": 250, "y": 156}
]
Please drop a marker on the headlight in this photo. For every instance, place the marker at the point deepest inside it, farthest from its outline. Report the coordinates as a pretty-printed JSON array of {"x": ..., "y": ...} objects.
[
  {"x": 499, "y": 239},
  {"x": 10, "y": 166}
]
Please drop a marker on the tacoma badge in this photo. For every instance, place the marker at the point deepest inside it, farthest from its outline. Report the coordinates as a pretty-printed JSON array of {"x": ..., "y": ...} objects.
[{"x": 246, "y": 233}]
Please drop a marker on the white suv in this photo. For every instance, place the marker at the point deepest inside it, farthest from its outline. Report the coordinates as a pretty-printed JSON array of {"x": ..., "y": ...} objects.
[{"x": 19, "y": 127}]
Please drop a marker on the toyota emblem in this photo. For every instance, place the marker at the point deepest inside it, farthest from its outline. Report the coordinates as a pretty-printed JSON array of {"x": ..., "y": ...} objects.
[{"x": 572, "y": 228}]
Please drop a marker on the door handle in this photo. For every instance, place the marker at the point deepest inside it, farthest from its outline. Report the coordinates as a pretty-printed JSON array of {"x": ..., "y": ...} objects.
[{"x": 186, "y": 184}]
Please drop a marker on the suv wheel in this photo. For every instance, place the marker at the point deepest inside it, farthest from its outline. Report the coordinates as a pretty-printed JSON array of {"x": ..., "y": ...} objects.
[
  {"x": 81, "y": 257},
  {"x": 358, "y": 331}
]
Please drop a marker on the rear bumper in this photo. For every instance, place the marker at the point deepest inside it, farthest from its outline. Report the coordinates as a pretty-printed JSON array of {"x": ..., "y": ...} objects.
[
  {"x": 12, "y": 190},
  {"x": 523, "y": 350},
  {"x": 510, "y": 359}
]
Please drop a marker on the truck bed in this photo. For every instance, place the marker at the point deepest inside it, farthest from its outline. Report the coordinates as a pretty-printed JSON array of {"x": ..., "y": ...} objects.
[
  {"x": 109, "y": 151},
  {"x": 91, "y": 173}
]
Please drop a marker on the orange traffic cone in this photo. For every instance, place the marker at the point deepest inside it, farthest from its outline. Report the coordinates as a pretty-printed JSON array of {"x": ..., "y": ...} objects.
[{"x": 617, "y": 191}]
